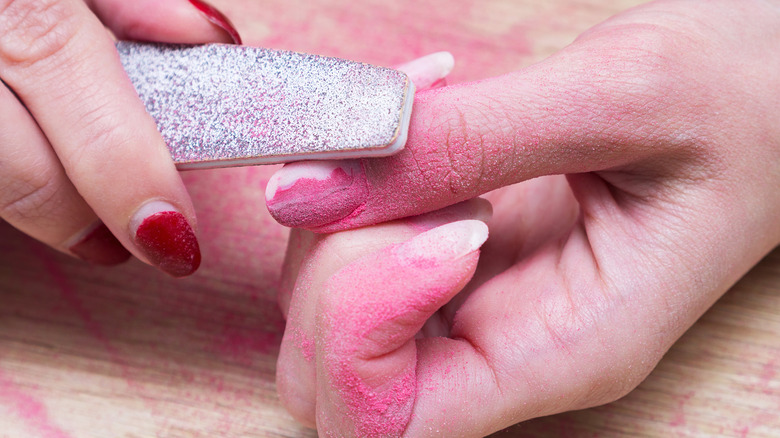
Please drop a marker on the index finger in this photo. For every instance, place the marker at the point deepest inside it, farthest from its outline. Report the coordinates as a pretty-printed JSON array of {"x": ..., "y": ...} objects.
[{"x": 62, "y": 64}]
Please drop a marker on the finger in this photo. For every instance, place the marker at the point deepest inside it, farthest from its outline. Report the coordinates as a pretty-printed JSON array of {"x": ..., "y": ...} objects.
[
  {"x": 63, "y": 66},
  {"x": 573, "y": 113},
  {"x": 367, "y": 320},
  {"x": 299, "y": 243},
  {"x": 295, "y": 376},
  {"x": 39, "y": 199},
  {"x": 430, "y": 71},
  {"x": 426, "y": 73},
  {"x": 169, "y": 21}
]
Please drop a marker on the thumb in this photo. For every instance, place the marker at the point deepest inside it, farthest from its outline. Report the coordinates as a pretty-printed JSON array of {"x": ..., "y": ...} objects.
[
  {"x": 367, "y": 322},
  {"x": 586, "y": 109},
  {"x": 169, "y": 21}
]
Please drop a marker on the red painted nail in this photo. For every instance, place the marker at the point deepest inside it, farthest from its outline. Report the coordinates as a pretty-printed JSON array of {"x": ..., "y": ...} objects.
[
  {"x": 169, "y": 243},
  {"x": 217, "y": 18},
  {"x": 100, "y": 247}
]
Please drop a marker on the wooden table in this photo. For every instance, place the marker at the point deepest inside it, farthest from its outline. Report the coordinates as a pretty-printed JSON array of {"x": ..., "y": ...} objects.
[{"x": 128, "y": 352}]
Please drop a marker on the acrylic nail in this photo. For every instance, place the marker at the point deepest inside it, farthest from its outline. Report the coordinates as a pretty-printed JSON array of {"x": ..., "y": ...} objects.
[
  {"x": 310, "y": 194},
  {"x": 98, "y": 246},
  {"x": 218, "y": 19},
  {"x": 429, "y": 71},
  {"x": 165, "y": 237},
  {"x": 447, "y": 242}
]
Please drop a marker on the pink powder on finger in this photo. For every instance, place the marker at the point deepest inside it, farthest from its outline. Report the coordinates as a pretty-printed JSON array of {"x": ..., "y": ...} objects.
[
  {"x": 337, "y": 196},
  {"x": 372, "y": 310}
]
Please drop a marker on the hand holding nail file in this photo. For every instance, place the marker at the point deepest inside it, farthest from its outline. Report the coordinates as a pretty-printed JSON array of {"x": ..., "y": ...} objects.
[{"x": 220, "y": 105}]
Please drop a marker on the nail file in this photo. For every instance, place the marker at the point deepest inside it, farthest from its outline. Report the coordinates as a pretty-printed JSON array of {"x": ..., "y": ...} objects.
[{"x": 220, "y": 105}]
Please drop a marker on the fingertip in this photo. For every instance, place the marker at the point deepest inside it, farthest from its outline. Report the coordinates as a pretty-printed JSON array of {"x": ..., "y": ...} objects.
[
  {"x": 166, "y": 238},
  {"x": 429, "y": 71},
  {"x": 312, "y": 194},
  {"x": 449, "y": 241},
  {"x": 97, "y": 245},
  {"x": 217, "y": 18},
  {"x": 169, "y": 21}
]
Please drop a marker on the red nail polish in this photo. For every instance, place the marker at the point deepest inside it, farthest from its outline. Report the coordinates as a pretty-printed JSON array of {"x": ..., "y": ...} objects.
[
  {"x": 100, "y": 247},
  {"x": 169, "y": 242},
  {"x": 217, "y": 18}
]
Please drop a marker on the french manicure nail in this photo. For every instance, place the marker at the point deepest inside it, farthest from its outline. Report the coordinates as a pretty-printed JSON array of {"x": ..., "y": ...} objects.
[
  {"x": 218, "y": 19},
  {"x": 309, "y": 194},
  {"x": 448, "y": 242},
  {"x": 97, "y": 245},
  {"x": 166, "y": 238},
  {"x": 429, "y": 71}
]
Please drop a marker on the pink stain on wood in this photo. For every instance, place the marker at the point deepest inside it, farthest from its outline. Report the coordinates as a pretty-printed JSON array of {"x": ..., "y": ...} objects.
[
  {"x": 29, "y": 409},
  {"x": 679, "y": 418},
  {"x": 391, "y": 33},
  {"x": 768, "y": 376},
  {"x": 70, "y": 296},
  {"x": 243, "y": 339}
]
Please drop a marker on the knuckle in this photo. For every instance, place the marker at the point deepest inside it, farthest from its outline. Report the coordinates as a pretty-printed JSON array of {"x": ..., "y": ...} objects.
[
  {"x": 102, "y": 130},
  {"x": 30, "y": 194},
  {"x": 454, "y": 164},
  {"x": 35, "y": 30}
]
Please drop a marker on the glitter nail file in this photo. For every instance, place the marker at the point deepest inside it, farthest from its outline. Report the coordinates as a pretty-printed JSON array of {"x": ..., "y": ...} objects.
[{"x": 220, "y": 105}]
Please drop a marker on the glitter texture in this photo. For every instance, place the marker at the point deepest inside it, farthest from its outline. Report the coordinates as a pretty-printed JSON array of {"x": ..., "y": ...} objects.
[{"x": 220, "y": 105}]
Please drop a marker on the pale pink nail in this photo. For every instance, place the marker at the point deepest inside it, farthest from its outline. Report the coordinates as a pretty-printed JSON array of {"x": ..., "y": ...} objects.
[
  {"x": 429, "y": 71},
  {"x": 310, "y": 194},
  {"x": 447, "y": 242}
]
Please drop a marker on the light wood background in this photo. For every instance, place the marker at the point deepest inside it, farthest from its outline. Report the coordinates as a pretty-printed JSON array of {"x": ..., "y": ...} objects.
[{"x": 128, "y": 352}]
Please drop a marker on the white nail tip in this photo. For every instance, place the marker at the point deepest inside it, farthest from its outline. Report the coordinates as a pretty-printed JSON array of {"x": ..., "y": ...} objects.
[
  {"x": 147, "y": 210},
  {"x": 288, "y": 175},
  {"x": 425, "y": 71},
  {"x": 450, "y": 241}
]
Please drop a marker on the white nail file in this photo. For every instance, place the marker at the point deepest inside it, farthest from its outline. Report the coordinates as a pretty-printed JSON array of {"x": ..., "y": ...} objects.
[{"x": 220, "y": 105}]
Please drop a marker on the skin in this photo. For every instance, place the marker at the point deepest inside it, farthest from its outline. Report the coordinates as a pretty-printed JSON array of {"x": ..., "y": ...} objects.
[
  {"x": 78, "y": 151},
  {"x": 659, "y": 131}
]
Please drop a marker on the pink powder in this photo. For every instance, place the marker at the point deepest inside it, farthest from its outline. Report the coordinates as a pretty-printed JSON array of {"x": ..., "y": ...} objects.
[
  {"x": 337, "y": 196},
  {"x": 368, "y": 348},
  {"x": 679, "y": 418},
  {"x": 29, "y": 409},
  {"x": 70, "y": 295},
  {"x": 366, "y": 32}
]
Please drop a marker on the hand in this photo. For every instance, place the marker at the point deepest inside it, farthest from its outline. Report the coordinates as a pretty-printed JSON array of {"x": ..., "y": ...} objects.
[
  {"x": 82, "y": 166},
  {"x": 664, "y": 120}
]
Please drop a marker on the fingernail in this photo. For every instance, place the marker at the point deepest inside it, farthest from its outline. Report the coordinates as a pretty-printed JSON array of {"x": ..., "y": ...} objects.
[
  {"x": 218, "y": 19},
  {"x": 477, "y": 208},
  {"x": 166, "y": 238},
  {"x": 309, "y": 194},
  {"x": 430, "y": 70},
  {"x": 97, "y": 245},
  {"x": 447, "y": 242}
]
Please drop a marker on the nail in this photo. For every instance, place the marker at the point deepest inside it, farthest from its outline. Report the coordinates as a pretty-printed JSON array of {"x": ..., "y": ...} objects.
[
  {"x": 217, "y": 18},
  {"x": 308, "y": 194},
  {"x": 97, "y": 245},
  {"x": 476, "y": 208},
  {"x": 166, "y": 238},
  {"x": 429, "y": 71},
  {"x": 447, "y": 242}
]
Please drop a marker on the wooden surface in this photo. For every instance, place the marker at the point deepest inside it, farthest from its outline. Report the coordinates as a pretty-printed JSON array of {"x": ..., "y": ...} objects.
[{"x": 127, "y": 352}]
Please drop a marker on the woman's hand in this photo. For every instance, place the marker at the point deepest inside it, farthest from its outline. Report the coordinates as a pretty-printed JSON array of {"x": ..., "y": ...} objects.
[
  {"x": 82, "y": 166},
  {"x": 664, "y": 120}
]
